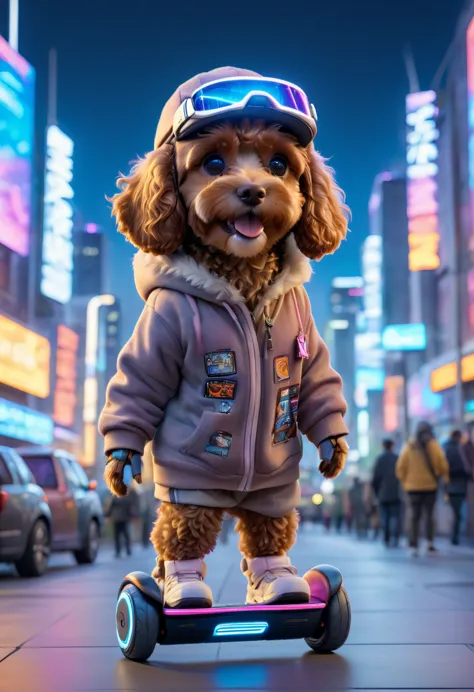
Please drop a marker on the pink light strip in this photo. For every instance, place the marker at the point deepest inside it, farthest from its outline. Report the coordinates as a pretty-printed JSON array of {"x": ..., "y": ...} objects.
[{"x": 317, "y": 605}]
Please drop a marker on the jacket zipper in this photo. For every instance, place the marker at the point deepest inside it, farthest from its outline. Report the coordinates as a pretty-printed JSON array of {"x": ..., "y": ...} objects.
[{"x": 255, "y": 395}]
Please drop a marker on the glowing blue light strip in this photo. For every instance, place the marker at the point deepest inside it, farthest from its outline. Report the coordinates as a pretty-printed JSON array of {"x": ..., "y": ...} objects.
[
  {"x": 233, "y": 629},
  {"x": 125, "y": 596}
]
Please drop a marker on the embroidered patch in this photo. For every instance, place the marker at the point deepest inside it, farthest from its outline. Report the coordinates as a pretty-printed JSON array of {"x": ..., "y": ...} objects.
[
  {"x": 281, "y": 368},
  {"x": 220, "y": 363},
  {"x": 286, "y": 412},
  {"x": 219, "y": 443},
  {"x": 220, "y": 389},
  {"x": 225, "y": 407}
]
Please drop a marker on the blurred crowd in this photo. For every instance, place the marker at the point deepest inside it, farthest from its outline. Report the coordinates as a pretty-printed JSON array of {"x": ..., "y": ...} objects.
[{"x": 404, "y": 490}]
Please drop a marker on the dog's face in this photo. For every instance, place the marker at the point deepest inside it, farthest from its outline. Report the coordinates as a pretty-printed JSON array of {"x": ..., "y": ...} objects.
[{"x": 240, "y": 188}]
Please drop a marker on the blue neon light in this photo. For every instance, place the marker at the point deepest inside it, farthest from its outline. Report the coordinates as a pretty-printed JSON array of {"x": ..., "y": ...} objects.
[
  {"x": 404, "y": 337},
  {"x": 22, "y": 423},
  {"x": 233, "y": 629},
  {"x": 125, "y": 596}
]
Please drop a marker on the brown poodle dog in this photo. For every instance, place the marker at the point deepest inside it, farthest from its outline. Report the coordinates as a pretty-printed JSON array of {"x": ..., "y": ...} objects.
[{"x": 229, "y": 198}]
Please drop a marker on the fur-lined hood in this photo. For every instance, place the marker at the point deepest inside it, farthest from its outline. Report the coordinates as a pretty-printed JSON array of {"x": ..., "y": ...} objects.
[{"x": 180, "y": 272}]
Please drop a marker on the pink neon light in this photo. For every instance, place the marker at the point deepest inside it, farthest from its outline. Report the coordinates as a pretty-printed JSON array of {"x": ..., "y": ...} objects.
[
  {"x": 14, "y": 59},
  {"x": 242, "y": 609},
  {"x": 91, "y": 228},
  {"x": 470, "y": 57},
  {"x": 420, "y": 98},
  {"x": 353, "y": 292},
  {"x": 421, "y": 196}
]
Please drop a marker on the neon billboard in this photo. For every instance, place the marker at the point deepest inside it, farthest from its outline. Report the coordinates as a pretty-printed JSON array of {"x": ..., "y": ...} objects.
[
  {"x": 24, "y": 359},
  {"x": 22, "y": 423},
  {"x": 58, "y": 250},
  {"x": 17, "y": 83},
  {"x": 404, "y": 337},
  {"x": 65, "y": 398},
  {"x": 422, "y": 169}
]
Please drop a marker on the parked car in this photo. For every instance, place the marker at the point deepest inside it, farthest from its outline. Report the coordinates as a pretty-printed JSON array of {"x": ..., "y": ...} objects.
[
  {"x": 25, "y": 517},
  {"x": 75, "y": 505}
]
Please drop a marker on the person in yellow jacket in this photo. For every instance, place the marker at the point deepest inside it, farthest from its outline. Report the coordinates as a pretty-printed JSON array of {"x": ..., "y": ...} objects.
[{"x": 419, "y": 468}]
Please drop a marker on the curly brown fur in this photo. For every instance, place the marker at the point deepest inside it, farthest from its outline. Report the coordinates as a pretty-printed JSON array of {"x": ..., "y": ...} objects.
[
  {"x": 148, "y": 210},
  {"x": 113, "y": 476},
  {"x": 185, "y": 532},
  {"x": 249, "y": 276},
  {"x": 323, "y": 223},
  {"x": 262, "y": 536},
  {"x": 332, "y": 469}
]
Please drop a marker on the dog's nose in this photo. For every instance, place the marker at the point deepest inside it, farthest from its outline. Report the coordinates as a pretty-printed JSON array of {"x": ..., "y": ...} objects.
[{"x": 251, "y": 194}]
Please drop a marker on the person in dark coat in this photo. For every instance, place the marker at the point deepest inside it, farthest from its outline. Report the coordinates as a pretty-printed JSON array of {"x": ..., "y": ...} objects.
[
  {"x": 459, "y": 476},
  {"x": 386, "y": 487},
  {"x": 121, "y": 511}
]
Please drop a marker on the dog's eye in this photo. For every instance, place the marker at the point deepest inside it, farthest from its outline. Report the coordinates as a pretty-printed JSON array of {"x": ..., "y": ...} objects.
[
  {"x": 278, "y": 166},
  {"x": 214, "y": 164}
]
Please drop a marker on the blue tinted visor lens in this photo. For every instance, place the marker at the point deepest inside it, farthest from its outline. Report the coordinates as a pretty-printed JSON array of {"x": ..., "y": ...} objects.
[{"x": 227, "y": 93}]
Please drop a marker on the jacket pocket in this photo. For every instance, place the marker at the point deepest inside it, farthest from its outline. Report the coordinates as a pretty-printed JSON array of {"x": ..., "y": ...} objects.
[
  {"x": 274, "y": 457},
  {"x": 216, "y": 444}
]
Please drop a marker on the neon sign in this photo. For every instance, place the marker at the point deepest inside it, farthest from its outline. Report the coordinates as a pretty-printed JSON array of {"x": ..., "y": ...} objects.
[
  {"x": 17, "y": 92},
  {"x": 66, "y": 376},
  {"x": 422, "y": 168},
  {"x": 372, "y": 274},
  {"x": 391, "y": 402},
  {"x": 21, "y": 423},
  {"x": 57, "y": 265},
  {"x": 24, "y": 359},
  {"x": 404, "y": 337}
]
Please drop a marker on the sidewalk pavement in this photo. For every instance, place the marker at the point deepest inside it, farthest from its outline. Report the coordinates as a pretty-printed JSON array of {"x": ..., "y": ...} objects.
[{"x": 412, "y": 627}]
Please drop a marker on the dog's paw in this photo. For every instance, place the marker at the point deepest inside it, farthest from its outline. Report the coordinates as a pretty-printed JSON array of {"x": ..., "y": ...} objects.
[
  {"x": 113, "y": 476},
  {"x": 332, "y": 469}
]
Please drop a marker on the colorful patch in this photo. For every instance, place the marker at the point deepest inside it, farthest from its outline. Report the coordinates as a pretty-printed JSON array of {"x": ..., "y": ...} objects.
[
  {"x": 286, "y": 413},
  {"x": 281, "y": 368},
  {"x": 220, "y": 363},
  {"x": 220, "y": 389},
  {"x": 225, "y": 407},
  {"x": 219, "y": 443}
]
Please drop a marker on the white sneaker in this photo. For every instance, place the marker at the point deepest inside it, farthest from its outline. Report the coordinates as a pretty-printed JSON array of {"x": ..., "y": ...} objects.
[
  {"x": 273, "y": 580},
  {"x": 183, "y": 584}
]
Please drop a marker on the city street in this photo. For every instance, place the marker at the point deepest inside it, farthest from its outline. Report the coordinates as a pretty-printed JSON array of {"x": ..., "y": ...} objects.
[{"x": 412, "y": 628}]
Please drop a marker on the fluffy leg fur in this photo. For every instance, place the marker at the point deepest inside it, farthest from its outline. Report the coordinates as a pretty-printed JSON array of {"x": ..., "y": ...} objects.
[
  {"x": 262, "y": 536},
  {"x": 185, "y": 532}
]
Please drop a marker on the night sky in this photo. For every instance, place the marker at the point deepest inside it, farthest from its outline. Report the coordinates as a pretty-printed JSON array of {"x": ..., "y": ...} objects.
[{"x": 119, "y": 61}]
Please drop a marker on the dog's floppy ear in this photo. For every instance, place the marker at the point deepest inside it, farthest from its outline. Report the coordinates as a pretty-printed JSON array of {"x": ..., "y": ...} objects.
[
  {"x": 148, "y": 209},
  {"x": 323, "y": 223}
]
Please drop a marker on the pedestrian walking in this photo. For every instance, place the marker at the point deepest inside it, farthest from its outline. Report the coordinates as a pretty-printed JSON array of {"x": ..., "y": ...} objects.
[
  {"x": 459, "y": 476},
  {"x": 338, "y": 508},
  {"x": 358, "y": 508},
  {"x": 386, "y": 487},
  {"x": 121, "y": 510},
  {"x": 419, "y": 468}
]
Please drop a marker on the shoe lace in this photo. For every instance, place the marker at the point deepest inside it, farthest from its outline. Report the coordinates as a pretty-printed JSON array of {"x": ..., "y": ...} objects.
[
  {"x": 271, "y": 574},
  {"x": 190, "y": 575}
]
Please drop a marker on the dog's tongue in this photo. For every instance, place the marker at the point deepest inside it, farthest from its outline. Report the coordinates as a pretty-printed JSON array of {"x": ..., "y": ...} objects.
[{"x": 248, "y": 225}]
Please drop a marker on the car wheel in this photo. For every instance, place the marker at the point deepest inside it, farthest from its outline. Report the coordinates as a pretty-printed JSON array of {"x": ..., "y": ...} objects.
[
  {"x": 38, "y": 549},
  {"x": 335, "y": 624},
  {"x": 137, "y": 624},
  {"x": 88, "y": 553}
]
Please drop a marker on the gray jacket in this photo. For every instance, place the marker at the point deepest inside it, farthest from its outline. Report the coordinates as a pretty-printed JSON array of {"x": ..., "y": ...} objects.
[{"x": 197, "y": 377}]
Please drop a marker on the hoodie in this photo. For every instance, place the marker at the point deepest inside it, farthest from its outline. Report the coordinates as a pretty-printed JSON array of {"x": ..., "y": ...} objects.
[{"x": 199, "y": 379}]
